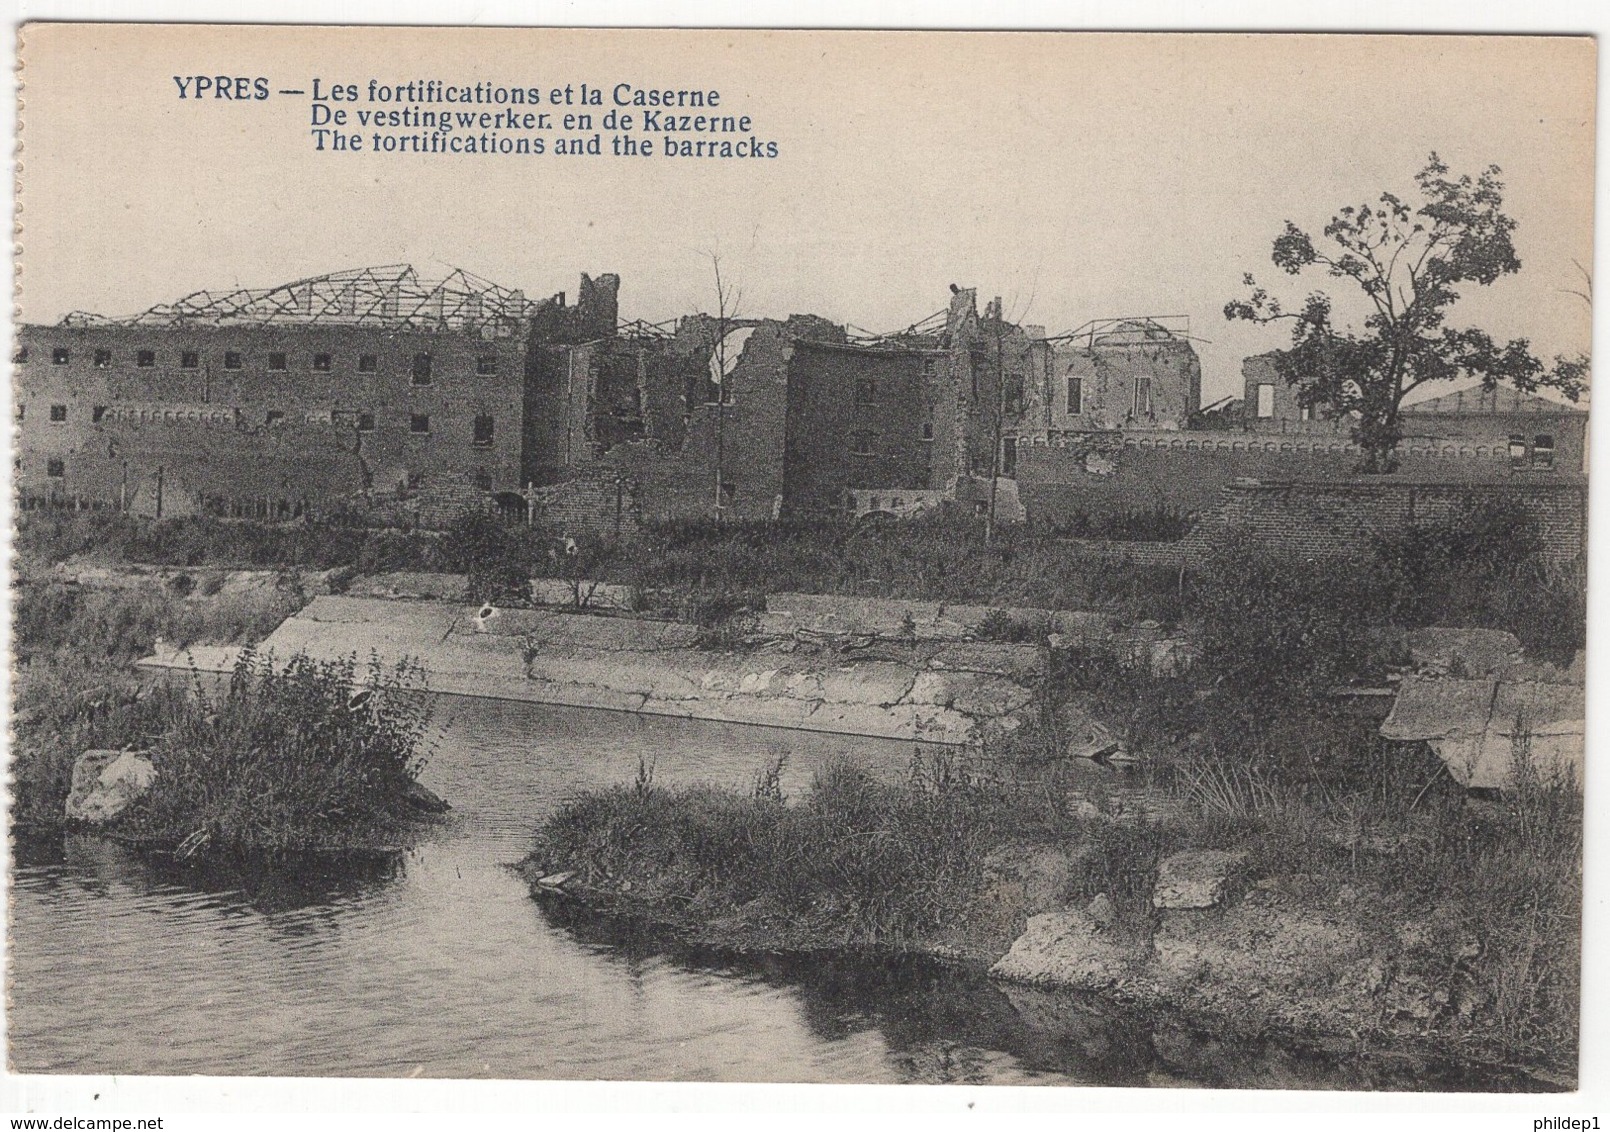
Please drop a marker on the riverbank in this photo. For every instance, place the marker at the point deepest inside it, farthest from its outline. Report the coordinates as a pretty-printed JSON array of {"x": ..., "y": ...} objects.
[
  {"x": 272, "y": 758},
  {"x": 1445, "y": 935},
  {"x": 871, "y": 667}
]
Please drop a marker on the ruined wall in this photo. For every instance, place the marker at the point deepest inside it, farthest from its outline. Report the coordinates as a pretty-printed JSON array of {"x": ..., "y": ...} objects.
[
  {"x": 997, "y": 370},
  {"x": 1162, "y": 378},
  {"x": 856, "y": 419},
  {"x": 1317, "y": 519},
  {"x": 595, "y": 314},
  {"x": 676, "y": 469},
  {"x": 596, "y": 501},
  {"x": 1280, "y": 399}
]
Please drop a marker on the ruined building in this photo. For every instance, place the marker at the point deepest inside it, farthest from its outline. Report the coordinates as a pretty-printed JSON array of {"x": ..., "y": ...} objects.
[
  {"x": 413, "y": 399},
  {"x": 807, "y": 418},
  {"x": 357, "y": 386}
]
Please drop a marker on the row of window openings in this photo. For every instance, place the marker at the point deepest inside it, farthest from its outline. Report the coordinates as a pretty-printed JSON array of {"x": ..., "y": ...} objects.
[
  {"x": 485, "y": 365},
  {"x": 417, "y": 422},
  {"x": 1140, "y": 405},
  {"x": 1013, "y": 395}
]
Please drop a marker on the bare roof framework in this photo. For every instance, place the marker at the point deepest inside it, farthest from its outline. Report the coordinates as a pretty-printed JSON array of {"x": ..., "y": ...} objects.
[
  {"x": 390, "y": 298},
  {"x": 915, "y": 336},
  {"x": 1131, "y": 330}
]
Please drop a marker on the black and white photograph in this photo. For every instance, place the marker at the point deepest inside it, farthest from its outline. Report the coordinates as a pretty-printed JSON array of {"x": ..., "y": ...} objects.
[{"x": 948, "y": 558}]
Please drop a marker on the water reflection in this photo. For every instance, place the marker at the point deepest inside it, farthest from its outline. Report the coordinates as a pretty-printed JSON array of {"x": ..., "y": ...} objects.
[
  {"x": 437, "y": 962},
  {"x": 941, "y": 1024},
  {"x": 267, "y": 884}
]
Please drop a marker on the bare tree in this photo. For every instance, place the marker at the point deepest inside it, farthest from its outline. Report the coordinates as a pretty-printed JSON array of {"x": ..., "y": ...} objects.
[{"x": 728, "y": 301}]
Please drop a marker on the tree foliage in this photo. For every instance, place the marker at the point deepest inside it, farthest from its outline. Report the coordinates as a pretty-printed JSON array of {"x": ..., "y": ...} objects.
[{"x": 1409, "y": 262}]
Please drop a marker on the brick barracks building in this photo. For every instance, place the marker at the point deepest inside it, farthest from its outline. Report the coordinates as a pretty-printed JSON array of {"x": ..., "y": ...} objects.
[{"x": 359, "y": 386}]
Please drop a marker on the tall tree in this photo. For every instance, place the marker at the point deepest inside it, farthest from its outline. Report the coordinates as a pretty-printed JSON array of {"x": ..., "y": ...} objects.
[{"x": 1409, "y": 262}]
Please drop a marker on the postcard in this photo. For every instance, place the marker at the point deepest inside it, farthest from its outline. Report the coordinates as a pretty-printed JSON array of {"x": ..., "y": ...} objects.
[{"x": 891, "y": 557}]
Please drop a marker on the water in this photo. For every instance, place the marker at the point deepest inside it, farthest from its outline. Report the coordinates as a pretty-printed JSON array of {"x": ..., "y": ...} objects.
[{"x": 438, "y": 963}]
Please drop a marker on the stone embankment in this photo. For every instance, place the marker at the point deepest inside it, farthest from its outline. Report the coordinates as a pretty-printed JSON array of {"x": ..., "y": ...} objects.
[
  {"x": 874, "y": 667},
  {"x": 1253, "y": 951}
]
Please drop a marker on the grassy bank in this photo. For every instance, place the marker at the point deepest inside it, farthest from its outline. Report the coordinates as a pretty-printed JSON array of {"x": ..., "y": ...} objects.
[
  {"x": 285, "y": 758},
  {"x": 1463, "y": 918},
  {"x": 74, "y": 687},
  {"x": 1483, "y": 569}
]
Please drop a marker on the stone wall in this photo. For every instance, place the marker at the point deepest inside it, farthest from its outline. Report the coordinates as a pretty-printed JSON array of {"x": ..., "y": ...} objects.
[
  {"x": 952, "y": 692},
  {"x": 598, "y": 501}
]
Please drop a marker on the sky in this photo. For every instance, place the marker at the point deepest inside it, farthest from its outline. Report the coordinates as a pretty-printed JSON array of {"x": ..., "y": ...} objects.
[{"x": 1077, "y": 176}]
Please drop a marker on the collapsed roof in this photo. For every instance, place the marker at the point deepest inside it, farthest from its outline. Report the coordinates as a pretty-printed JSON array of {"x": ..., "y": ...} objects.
[{"x": 391, "y": 298}]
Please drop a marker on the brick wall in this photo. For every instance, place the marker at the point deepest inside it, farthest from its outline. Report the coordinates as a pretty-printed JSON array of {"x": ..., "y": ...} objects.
[
  {"x": 1323, "y": 519},
  {"x": 297, "y": 404},
  {"x": 1097, "y": 473},
  {"x": 855, "y": 420},
  {"x": 1333, "y": 518},
  {"x": 597, "y": 501}
]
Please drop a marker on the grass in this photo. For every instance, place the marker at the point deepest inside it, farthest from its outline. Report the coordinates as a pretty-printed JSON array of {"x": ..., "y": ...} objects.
[
  {"x": 285, "y": 758},
  {"x": 869, "y": 862},
  {"x": 278, "y": 760}
]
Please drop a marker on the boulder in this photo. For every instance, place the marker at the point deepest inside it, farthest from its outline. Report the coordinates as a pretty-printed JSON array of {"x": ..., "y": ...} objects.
[
  {"x": 1197, "y": 878},
  {"x": 1065, "y": 949},
  {"x": 1044, "y": 874},
  {"x": 105, "y": 783}
]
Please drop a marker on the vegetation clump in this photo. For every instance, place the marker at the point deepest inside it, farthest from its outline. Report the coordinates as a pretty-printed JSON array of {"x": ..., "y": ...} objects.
[{"x": 299, "y": 755}]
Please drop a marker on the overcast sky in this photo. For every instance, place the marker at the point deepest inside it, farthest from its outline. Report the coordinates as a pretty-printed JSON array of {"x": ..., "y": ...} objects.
[{"x": 1077, "y": 176}]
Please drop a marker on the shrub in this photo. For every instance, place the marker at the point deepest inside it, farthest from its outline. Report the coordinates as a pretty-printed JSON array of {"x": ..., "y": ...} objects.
[
  {"x": 1484, "y": 569},
  {"x": 496, "y": 559},
  {"x": 880, "y": 862},
  {"x": 1272, "y": 628},
  {"x": 285, "y": 758}
]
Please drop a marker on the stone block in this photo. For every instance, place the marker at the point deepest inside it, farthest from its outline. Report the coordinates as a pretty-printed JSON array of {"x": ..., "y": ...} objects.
[
  {"x": 1198, "y": 878},
  {"x": 106, "y": 783},
  {"x": 1064, "y": 949}
]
